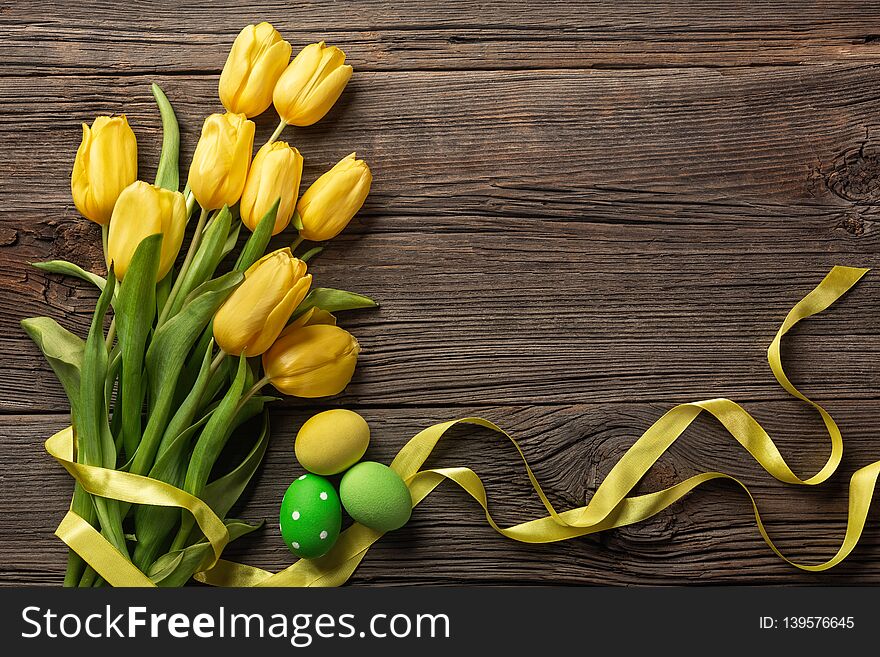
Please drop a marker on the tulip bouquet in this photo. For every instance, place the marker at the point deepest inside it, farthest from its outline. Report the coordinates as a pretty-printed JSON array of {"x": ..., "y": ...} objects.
[{"x": 177, "y": 377}]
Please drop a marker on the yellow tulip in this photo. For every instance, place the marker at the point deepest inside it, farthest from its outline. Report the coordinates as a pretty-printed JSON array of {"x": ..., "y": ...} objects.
[
  {"x": 311, "y": 317},
  {"x": 143, "y": 210},
  {"x": 274, "y": 174},
  {"x": 257, "y": 59},
  {"x": 221, "y": 160},
  {"x": 256, "y": 312},
  {"x": 333, "y": 199},
  {"x": 105, "y": 164},
  {"x": 311, "y": 361},
  {"x": 310, "y": 85}
]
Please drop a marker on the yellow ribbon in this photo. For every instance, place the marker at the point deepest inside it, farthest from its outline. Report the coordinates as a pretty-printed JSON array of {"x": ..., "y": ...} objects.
[{"x": 609, "y": 507}]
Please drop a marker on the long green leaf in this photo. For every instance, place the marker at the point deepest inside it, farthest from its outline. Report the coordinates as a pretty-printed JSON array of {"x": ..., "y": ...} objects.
[
  {"x": 333, "y": 301},
  {"x": 206, "y": 259},
  {"x": 154, "y": 524},
  {"x": 69, "y": 269},
  {"x": 175, "y": 568},
  {"x": 231, "y": 240},
  {"x": 187, "y": 409},
  {"x": 222, "y": 493},
  {"x": 194, "y": 362},
  {"x": 91, "y": 425},
  {"x": 163, "y": 289},
  {"x": 82, "y": 505},
  {"x": 166, "y": 355},
  {"x": 135, "y": 311},
  {"x": 63, "y": 351},
  {"x": 258, "y": 241},
  {"x": 167, "y": 173},
  {"x": 215, "y": 434},
  {"x": 208, "y": 448}
]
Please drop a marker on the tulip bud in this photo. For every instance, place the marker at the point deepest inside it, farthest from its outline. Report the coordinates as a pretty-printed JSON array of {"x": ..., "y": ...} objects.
[
  {"x": 274, "y": 174},
  {"x": 255, "y": 313},
  {"x": 105, "y": 164},
  {"x": 311, "y": 317},
  {"x": 143, "y": 210},
  {"x": 311, "y": 361},
  {"x": 221, "y": 160},
  {"x": 333, "y": 199},
  {"x": 310, "y": 85},
  {"x": 257, "y": 59}
]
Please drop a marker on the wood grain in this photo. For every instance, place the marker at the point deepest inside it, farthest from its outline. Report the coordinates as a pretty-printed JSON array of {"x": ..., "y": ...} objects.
[
  {"x": 581, "y": 214},
  {"x": 499, "y": 34}
]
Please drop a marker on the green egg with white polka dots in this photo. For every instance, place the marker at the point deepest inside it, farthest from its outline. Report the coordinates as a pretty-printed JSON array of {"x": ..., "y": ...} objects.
[{"x": 310, "y": 517}]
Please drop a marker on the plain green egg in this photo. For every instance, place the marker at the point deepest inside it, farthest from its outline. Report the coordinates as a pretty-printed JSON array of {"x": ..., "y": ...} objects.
[
  {"x": 375, "y": 495},
  {"x": 310, "y": 516}
]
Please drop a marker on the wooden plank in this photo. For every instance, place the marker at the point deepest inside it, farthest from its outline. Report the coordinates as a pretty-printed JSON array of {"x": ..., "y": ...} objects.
[
  {"x": 652, "y": 326},
  {"x": 566, "y": 138},
  {"x": 418, "y": 35},
  {"x": 708, "y": 538},
  {"x": 647, "y": 249}
]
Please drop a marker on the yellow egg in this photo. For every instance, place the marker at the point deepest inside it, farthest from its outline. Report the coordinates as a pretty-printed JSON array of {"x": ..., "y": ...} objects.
[{"x": 332, "y": 441}]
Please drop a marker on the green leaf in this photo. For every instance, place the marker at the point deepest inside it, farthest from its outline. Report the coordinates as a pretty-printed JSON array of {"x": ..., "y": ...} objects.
[
  {"x": 175, "y": 568},
  {"x": 225, "y": 284},
  {"x": 135, "y": 311},
  {"x": 70, "y": 269},
  {"x": 113, "y": 367},
  {"x": 163, "y": 289},
  {"x": 154, "y": 524},
  {"x": 92, "y": 377},
  {"x": 333, "y": 301},
  {"x": 207, "y": 257},
  {"x": 215, "y": 434},
  {"x": 222, "y": 493},
  {"x": 82, "y": 505},
  {"x": 194, "y": 362},
  {"x": 231, "y": 241},
  {"x": 208, "y": 447},
  {"x": 258, "y": 241},
  {"x": 166, "y": 356},
  {"x": 63, "y": 351},
  {"x": 297, "y": 220},
  {"x": 187, "y": 409},
  {"x": 91, "y": 427},
  {"x": 167, "y": 174}
]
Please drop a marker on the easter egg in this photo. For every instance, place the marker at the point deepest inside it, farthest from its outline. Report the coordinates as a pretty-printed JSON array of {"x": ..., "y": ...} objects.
[
  {"x": 331, "y": 442},
  {"x": 310, "y": 516},
  {"x": 375, "y": 495}
]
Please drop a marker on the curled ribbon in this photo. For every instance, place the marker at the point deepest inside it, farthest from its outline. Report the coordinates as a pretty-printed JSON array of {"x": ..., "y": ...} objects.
[{"x": 609, "y": 507}]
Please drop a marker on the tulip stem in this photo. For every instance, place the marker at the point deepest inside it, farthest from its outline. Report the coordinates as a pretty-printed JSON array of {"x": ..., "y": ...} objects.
[
  {"x": 311, "y": 253},
  {"x": 111, "y": 333},
  {"x": 190, "y": 254},
  {"x": 218, "y": 359},
  {"x": 105, "y": 231},
  {"x": 250, "y": 393},
  {"x": 299, "y": 240},
  {"x": 278, "y": 131},
  {"x": 190, "y": 204}
]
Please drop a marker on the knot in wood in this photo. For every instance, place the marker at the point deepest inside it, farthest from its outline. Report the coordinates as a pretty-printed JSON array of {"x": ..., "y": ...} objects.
[{"x": 854, "y": 175}]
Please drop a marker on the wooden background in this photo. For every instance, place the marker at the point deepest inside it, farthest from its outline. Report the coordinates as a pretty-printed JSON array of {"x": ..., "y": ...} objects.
[{"x": 583, "y": 213}]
